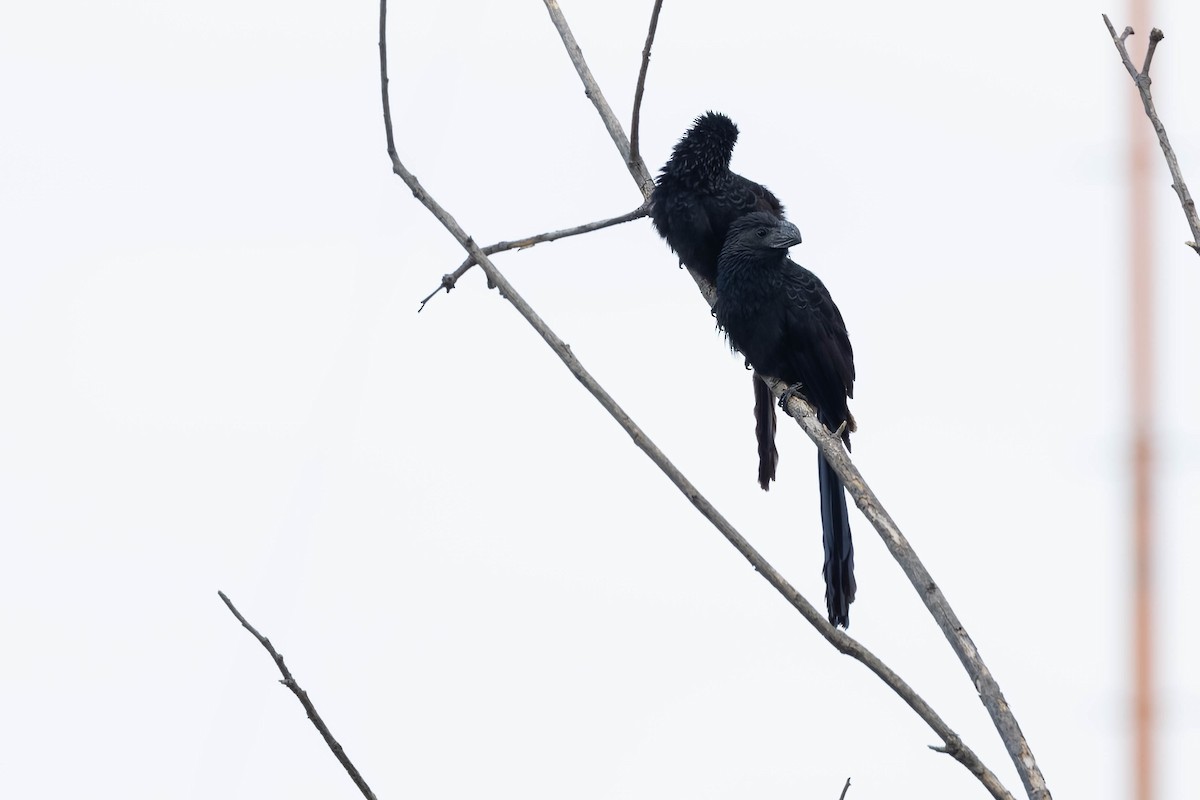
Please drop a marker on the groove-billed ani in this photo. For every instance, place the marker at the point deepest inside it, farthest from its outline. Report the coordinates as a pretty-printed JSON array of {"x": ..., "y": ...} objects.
[
  {"x": 781, "y": 318},
  {"x": 695, "y": 199}
]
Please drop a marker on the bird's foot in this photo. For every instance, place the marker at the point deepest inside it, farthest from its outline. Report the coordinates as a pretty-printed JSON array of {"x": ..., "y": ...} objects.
[{"x": 788, "y": 393}]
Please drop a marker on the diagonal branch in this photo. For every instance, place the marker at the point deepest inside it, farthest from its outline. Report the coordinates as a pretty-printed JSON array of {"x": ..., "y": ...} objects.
[
  {"x": 956, "y": 634},
  {"x": 635, "y": 124},
  {"x": 637, "y": 167},
  {"x": 952, "y": 744},
  {"x": 302, "y": 696},
  {"x": 450, "y": 280},
  {"x": 1142, "y": 81}
]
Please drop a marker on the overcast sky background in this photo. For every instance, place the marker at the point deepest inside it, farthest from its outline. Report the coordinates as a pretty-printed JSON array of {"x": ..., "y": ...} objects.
[{"x": 215, "y": 378}]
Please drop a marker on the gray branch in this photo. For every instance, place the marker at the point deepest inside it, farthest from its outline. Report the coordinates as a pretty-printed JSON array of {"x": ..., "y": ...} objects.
[
  {"x": 952, "y": 744},
  {"x": 635, "y": 124},
  {"x": 636, "y": 166},
  {"x": 302, "y": 696},
  {"x": 1142, "y": 81},
  {"x": 450, "y": 280}
]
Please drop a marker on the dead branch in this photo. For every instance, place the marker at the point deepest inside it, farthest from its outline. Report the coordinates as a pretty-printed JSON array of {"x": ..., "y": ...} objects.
[
  {"x": 637, "y": 167},
  {"x": 1142, "y": 81},
  {"x": 635, "y": 123},
  {"x": 450, "y": 280},
  {"x": 302, "y": 696}
]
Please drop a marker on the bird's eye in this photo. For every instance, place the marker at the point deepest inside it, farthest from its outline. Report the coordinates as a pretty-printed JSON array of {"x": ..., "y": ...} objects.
[{"x": 761, "y": 232}]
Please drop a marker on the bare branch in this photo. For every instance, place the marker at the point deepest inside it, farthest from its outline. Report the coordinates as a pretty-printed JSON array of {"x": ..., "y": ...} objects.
[
  {"x": 635, "y": 123},
  {"x": 845, "y": 789},
  {"x": 1119, "y": 41},
  {"x": 1142, "y": 81},
  {"x": 1156, "y": 36},
  {"x": 637, "y": 167},
  {"x": 451, "y": 279},
  {"x": 302, "y": 696},
  {"x": 953, "y": 745}
]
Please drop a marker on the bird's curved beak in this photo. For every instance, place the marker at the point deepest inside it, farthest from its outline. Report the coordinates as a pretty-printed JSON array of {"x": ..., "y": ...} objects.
[{"x": 785, "y": 235}]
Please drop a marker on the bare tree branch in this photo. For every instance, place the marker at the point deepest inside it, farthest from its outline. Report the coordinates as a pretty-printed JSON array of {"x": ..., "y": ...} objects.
[
  {"x": 1142, "y": 81},
  {"x": 633, "y": 160},
  {"x": 450, "y": 280},
  {"x": 637, "y": 167},
  {"x": 952, "y": 744},
  {"x": 302, "y": 696},
  {"x": 845, "y": 789},
  {"x": 635, "y": 124}
]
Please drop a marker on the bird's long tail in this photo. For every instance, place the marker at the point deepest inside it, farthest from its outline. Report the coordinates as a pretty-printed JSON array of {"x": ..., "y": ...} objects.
[
  {"x": 839, "y": 549},
  {"x": 764, "y": 430}
]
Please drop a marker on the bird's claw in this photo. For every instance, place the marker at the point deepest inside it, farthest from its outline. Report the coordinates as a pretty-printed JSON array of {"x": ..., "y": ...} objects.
[{"x": 788, "y": 393}]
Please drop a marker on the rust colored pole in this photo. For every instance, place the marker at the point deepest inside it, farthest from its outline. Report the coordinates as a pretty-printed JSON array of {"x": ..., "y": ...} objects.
[{"x": 1141, "y": 290}]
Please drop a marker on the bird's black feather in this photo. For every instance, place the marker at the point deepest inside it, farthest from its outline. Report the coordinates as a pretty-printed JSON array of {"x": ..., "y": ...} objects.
[
  {"x": 695, "y": 199},
  {"x": 782, "y": 319},
  {"x": 697, "y": 196}
]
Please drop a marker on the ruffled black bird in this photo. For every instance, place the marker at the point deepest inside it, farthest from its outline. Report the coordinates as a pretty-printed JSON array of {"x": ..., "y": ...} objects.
[
  {"x": 781, "y": 318},
  {"x": 696, "y": 198}
]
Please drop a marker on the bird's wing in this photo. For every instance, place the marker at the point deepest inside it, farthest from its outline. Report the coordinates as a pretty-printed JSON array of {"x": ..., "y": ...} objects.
[
  {"x": 764, "y": 200},
  {"x": 818, "y": 346},
  {"x": 681, "y": 217}
]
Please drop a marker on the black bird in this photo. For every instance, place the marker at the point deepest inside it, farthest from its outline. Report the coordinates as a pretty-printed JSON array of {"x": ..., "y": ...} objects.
[
  {"x": 781, "y": 318},
  {"x": 696, "y": 198}
]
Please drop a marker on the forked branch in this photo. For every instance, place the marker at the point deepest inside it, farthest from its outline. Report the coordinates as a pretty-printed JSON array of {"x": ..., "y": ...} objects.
[
  {"x": 635, "y": 164},
  {"x": 635, "y": 124},
  {"x": 1142, "y": 81},
  {"x": 450, "y": 280}
]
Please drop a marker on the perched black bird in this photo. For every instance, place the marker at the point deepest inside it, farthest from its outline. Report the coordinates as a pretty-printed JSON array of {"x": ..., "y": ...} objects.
[
  {"x": 781, "y": 318},
  {"x": 696, "y": 198}
]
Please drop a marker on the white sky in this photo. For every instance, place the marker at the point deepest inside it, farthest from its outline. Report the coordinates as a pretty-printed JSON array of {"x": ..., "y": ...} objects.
[{"x": 214, "y": 378}]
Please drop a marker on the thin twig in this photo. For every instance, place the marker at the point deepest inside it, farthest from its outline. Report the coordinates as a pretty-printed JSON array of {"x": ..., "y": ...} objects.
[
  {"x": 635, "y": 123},
  {"x": 1142, "y": 81},
  {"x": 636, "y": 166},
  {"x": 845, "y": 789},
  {"x": 451, "y": 279},
  {"x": 953, "y": 745},
  {"x": 302, "y": 696}
]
